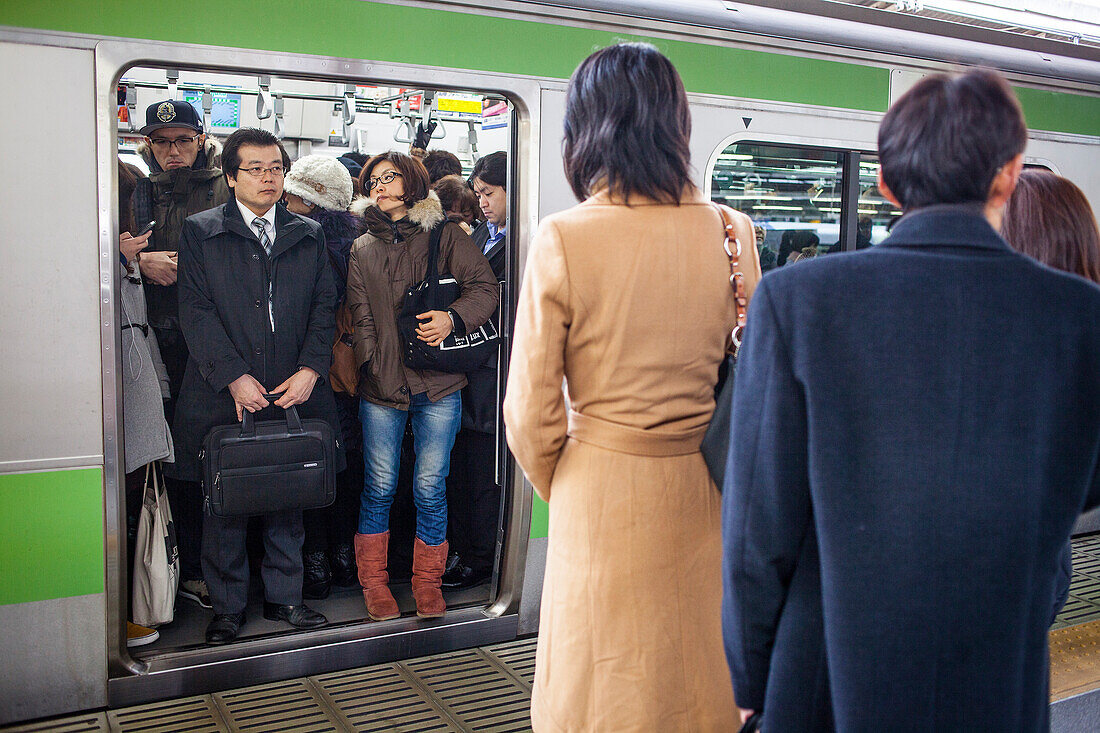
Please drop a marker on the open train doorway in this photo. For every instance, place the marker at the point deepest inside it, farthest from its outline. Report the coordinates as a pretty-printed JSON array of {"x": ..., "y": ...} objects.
[{"x": 346, "y": 121}]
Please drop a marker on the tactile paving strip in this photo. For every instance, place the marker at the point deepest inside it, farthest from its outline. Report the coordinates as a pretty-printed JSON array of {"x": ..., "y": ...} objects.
[
  {"x": 1074, "y": 660},
  {"x": 471, "y": 690}
]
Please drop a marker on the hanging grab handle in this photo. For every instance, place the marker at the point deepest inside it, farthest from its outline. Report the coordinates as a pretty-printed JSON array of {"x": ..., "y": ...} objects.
[
  {"x": 348, "y": 106},
  {"x": 263, "y": 99}
]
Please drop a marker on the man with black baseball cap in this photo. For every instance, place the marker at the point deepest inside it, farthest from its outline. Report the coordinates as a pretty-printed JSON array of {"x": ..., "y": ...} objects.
[{"x": 183, "y": 180}]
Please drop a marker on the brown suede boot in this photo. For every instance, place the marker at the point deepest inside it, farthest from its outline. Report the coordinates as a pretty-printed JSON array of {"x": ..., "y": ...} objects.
[
  {"x": 371, "y": 557},
  {"x": 428, "y": 565}
]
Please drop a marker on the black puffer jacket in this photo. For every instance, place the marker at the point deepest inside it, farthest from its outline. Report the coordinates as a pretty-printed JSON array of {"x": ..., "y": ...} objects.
[{"x": 170, "y": 197}]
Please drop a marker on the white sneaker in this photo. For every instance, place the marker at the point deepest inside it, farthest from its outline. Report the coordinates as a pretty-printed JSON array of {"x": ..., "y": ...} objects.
[
  {"x": 195, "y": 590},
  {"x": 140, "y": 635}
]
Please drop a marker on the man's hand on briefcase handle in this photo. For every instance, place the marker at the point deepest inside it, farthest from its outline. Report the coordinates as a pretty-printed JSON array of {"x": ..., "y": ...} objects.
[
  {"x": 248, "y": 394},
  {"x": 297, "y": 389}
]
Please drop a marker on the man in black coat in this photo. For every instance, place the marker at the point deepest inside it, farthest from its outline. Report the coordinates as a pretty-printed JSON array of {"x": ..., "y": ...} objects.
[
  {"x": 473, "y": 494},
  {"x": 916, "y": 428},
  {"x": 256, "y": 308}
]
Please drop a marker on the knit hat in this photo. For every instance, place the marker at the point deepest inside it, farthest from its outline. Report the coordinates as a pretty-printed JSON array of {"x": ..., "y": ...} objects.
[{"x": 321, "y": 181}]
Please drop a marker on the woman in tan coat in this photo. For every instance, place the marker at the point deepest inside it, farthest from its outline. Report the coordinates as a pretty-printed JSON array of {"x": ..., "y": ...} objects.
[{"x": 627, "y": 296}]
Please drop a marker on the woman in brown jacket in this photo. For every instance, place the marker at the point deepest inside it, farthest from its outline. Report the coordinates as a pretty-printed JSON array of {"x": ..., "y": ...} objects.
[
  {"x": 627, "y": 296},
  {"x": 385, "y": 262}
]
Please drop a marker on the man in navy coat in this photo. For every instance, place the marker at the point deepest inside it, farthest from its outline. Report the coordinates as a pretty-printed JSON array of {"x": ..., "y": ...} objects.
[{"x": 916, "y": 428}]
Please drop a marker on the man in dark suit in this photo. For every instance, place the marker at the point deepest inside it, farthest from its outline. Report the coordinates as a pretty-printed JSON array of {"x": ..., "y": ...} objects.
[
  {"x": 917, "y": 426},
  {"x": 256, "y": 307},
  {"x": 473, "y": 494}
]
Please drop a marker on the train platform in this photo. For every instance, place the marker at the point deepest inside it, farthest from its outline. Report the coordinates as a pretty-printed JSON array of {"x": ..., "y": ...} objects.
[
  {"x": 484, "y": 689},
  {"x": 489, "y": 688}
]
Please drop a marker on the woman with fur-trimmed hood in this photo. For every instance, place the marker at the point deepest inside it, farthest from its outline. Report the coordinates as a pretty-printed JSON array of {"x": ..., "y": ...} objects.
[{"x": 385, "y": 262}]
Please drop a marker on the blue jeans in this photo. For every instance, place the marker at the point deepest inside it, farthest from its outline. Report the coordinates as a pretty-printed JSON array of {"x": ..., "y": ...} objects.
[{"x": 434, "y": 426}]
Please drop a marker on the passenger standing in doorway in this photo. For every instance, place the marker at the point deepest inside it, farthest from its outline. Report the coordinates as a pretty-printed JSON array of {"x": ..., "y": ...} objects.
[
  {"x": 256, "y": 307},
  {"x": 627, "y": 296},
  {"x": 473, "y": 493},
  {"x": 144, "y": 380},
  {"x": 184, "y": 179},
  {"x": 1050, "y": 219},
  {"x": 907, "y": 475},
  {"x": 390, "y": 258},
  {"x": 319, "y": 187}
]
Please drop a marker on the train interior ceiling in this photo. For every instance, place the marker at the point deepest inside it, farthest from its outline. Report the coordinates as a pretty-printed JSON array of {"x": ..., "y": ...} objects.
[{"x": 314, "y": 117}]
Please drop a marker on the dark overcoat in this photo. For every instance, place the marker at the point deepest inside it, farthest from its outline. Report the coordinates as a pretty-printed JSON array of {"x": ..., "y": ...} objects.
[
  {"x": 917, "y": 428},
  {"x": 479, "y": 396},
  {"x": 224, "y": 275}
]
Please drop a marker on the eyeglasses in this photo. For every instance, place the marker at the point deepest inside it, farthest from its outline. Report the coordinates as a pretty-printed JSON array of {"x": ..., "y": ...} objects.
[
  {"x": 258, "y": 171},
  {"x": 180, "y": 142},
  {"x": 386, "y": 178}
]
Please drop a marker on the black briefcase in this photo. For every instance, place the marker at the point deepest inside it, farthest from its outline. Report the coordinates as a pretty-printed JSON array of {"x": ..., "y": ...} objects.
[{"x": 268, "y": 466}]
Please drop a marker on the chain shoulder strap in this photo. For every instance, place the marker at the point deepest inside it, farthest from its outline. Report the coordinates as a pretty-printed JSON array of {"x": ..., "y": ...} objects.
[{"x": 732, "y": 245}]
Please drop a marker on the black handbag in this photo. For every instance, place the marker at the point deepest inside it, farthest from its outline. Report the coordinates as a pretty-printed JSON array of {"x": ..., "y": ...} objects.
[
  {"x": 716, "y": 441},
  {"x": 456, "y": 354},
  {"x": 268, "y": 466}
]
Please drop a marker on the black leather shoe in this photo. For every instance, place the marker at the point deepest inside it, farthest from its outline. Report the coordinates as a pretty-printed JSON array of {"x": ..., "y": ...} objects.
[
  {"x": 318, "y": 577},
  {"x": 300, "y": 617},
  {"x": 344, "y": 571},
  {"x": 462, "y": 575},
  {"x": 224, "y": 627}
]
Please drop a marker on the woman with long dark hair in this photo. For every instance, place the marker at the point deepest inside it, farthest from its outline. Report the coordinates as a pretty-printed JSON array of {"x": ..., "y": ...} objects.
[
  {"x": 1049, "y": 218},
  {"x": 385, "y": 262},
  {"x": 627, "y": 297}
]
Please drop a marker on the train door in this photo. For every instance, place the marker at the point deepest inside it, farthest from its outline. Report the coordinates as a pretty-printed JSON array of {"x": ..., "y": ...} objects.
[{"x": 313, "y": 112}]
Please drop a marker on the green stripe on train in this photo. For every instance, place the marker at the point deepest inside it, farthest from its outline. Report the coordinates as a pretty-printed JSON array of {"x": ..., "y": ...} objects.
[
  {"x": 395, "y": 33},
  {"x": 52, "y": 525},
  {"x": 540, "y": 518}
]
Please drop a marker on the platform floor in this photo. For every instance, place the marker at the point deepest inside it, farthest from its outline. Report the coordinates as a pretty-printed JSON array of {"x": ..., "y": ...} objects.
[
  {"x": 489, "y": 689},
  {"x": 486, "y": 689}
]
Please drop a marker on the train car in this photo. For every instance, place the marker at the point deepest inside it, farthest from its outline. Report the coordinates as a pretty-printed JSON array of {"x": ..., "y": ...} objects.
[{"x": 786, "y": 98}]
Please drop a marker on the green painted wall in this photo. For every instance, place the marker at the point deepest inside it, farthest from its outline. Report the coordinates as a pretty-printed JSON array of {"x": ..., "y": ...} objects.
[
  {"x": 52, "y": 529},
  {"x": 362, "y": 30}
]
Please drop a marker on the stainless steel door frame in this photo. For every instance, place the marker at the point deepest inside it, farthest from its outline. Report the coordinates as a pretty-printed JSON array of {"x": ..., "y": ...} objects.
[{"x": 365, "y": 641}]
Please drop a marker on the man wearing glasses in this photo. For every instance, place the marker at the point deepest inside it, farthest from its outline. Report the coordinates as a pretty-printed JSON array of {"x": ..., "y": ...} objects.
[
  {"x": 256, "y": 304},
  {"x": 183, "y": 180}
]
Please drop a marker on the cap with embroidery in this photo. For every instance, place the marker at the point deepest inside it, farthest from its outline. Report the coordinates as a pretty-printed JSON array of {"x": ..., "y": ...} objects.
[{"x": 171, "y": 113}]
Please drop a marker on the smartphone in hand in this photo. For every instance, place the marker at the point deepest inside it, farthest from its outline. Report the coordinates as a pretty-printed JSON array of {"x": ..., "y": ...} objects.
[{"x": 147, "y": 228}]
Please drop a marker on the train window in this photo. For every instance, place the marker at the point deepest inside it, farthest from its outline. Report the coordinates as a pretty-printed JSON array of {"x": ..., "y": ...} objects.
[
  {"x": 792, "y": 194},
  {"x": 875, "y": 215},
  {"x": 336, "y": 120}
]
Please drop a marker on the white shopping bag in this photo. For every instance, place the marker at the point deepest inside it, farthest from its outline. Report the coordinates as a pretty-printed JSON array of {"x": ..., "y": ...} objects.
[{"x": 156, "y": 558}]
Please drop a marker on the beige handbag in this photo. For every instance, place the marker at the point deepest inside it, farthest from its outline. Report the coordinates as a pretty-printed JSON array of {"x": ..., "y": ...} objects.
[{"x": 156, "y": 557}]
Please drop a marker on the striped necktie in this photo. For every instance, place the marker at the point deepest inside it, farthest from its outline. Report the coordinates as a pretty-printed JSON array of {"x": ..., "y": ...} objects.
[{"x": 260, "y": 225}]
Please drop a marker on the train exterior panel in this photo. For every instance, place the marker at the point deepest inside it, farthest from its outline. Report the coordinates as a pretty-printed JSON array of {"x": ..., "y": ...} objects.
[{"x": 62, "y": 579}]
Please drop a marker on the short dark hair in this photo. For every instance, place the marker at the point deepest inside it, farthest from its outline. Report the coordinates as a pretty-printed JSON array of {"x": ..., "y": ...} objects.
[
  {"x": 231, "y": 149},
  {"x": 492, "y": 169},
  {"x": 1048, "y": 218},
  {"x": 627, "y": 125},
  {"x": 414, "y": 176},
  {"x": 441, "y": 163},
  {"x": 945, "y": 139},
  {"x": 356, "y": 156},
  {"x": 457, "y": 197}
]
